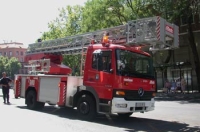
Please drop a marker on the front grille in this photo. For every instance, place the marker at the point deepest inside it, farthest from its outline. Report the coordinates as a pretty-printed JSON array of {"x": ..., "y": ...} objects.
[{"x": 133, "y": 95}]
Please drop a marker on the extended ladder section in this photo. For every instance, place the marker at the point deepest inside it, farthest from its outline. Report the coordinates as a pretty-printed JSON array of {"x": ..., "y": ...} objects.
[{"x": 155, "y": 32}]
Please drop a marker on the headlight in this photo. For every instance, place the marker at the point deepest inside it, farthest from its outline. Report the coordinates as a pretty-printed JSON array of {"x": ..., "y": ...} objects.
[{"x": 120, "y": 93}]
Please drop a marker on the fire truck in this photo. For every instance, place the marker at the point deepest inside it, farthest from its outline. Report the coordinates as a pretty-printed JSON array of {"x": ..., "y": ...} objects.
[{"x": 116, "y": 75}]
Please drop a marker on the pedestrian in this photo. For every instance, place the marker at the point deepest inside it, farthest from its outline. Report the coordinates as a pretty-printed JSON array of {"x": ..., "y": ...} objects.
[
  {"x": 5, "y": 87},
  {"x": 167, "y": 85},
  {"x": 173, "y": 86},
  {"x": 178, "y": 85},
  {"x": 183, "y": 84}
]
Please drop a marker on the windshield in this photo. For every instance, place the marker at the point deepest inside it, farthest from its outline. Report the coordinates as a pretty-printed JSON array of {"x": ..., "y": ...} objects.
[{"x": 134, "y": 64}]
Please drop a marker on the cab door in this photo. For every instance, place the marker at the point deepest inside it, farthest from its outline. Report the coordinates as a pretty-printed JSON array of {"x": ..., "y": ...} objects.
[
  {"x": 102, "y": 72},
  {"x": 106, "y": 75}
]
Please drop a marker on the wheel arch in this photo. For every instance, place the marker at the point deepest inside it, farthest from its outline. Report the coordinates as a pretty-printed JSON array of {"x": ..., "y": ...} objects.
[{"x": 86, "y": 91}]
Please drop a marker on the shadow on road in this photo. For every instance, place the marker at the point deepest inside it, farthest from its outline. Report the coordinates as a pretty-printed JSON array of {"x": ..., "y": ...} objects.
[{"x": 132, "y": 124}]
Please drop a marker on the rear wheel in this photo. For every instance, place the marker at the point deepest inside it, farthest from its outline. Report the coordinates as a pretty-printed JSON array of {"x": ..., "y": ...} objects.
[
  {"x": 31, "y": 101},
  {"x": 86, "y": 107},
  {"x": 125, "y": 115}
]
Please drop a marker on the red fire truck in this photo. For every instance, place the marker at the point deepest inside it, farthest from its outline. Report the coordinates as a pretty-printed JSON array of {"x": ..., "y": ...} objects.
[{"x": 116, "y": 76}]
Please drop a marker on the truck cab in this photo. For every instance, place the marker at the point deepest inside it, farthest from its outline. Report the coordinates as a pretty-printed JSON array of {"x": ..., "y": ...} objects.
[{"x": 122, "y": 76}]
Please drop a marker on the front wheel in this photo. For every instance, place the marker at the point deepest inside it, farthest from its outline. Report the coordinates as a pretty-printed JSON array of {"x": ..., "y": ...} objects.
[
  {"x": 86, "y": 107},
  {"x": 125, "y": 115}
]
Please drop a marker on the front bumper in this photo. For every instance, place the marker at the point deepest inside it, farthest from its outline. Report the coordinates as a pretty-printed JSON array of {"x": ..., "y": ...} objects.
[{"x": 120, "y": 105}]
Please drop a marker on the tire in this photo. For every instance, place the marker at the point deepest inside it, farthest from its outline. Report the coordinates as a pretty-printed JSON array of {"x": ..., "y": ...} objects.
[
  {"x": 31, "y": 101},
  {"x": 124, "y": 115},
  {"x": 86, "y": 107}
]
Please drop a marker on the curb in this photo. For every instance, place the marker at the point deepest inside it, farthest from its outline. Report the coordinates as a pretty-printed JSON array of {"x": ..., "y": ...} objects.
[{"x": 177, "y": 96}]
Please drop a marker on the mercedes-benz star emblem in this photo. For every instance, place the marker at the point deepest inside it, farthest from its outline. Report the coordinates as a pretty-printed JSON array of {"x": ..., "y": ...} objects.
[{"x": 140, "y": 92}]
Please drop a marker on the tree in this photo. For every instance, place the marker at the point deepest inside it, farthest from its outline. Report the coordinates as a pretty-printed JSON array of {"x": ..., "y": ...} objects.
[
  {"x": 13, "y": 66},
  {"x": 10, "y": 66},
  {"x": 170, "y": 10},
  {"x": 73, "y": 61},
  {"x": 68, "y": 23},
  {"x": 173, "y": 11},
  {"x": 3, "y": 62},
  {"x": 97, "y": 15},
  {"x": 189, "y": 8}
]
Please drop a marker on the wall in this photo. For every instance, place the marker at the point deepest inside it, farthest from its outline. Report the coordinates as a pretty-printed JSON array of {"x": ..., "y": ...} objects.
[{"x": 14, "y": 49}]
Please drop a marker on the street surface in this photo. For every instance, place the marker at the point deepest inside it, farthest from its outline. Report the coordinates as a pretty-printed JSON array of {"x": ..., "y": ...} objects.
[{"x": 169, "y": 116}]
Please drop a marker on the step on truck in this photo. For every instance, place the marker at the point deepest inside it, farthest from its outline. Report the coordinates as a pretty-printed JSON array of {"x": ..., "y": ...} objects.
[{"x": 116, "y": 75}]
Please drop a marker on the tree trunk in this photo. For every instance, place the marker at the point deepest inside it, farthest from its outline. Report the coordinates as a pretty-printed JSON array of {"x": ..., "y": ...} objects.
[
  {"x": 194, "y": 51},
  {"x": 166, "y": 61}
]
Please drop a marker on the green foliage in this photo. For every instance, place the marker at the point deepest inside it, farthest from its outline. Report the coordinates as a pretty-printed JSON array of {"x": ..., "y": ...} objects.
[
  {"x": 170, "y": 9},
  {"x": 74, "y": 19},
  {"x": 68, "y": 23},
  {"x": 99, "y": 14},
  {"x": 73, "y": 61},
  {"x": 125, "y": 10},
  {"x": 9, "y": 65}
]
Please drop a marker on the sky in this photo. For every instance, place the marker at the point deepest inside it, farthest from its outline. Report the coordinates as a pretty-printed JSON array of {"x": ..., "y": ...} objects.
[{"x": 24, "y": 20}]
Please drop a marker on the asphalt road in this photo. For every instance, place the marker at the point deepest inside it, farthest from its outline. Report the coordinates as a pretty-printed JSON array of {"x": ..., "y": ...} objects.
[{"x": 172, "y": 116}]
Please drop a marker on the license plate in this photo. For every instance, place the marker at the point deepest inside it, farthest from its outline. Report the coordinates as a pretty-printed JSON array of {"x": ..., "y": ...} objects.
[{"x": 140, "y": 105}]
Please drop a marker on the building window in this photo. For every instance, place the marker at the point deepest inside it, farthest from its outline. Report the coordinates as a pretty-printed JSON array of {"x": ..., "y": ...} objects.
[
  {"x": 5, "y": 53},
  {"x": 22, "y": 53},
  {"x": 22, "y": 59},
  {"x": 10, "y": 53},
  {"x": 0, "y": 53},
  {"x": 17, "y": 52}
]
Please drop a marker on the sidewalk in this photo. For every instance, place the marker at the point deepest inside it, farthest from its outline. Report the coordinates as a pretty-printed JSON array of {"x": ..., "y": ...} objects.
[{"x": 192, "y": 97}]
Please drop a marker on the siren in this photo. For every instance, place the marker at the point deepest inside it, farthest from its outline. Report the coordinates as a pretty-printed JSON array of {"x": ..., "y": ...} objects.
[{"x": 105, "y": 41}]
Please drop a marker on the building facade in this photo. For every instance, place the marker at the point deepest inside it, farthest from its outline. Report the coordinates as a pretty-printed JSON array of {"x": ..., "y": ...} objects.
[
  {"x": 181, "y": 62},
  {"x": 14, "y": 49}
]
